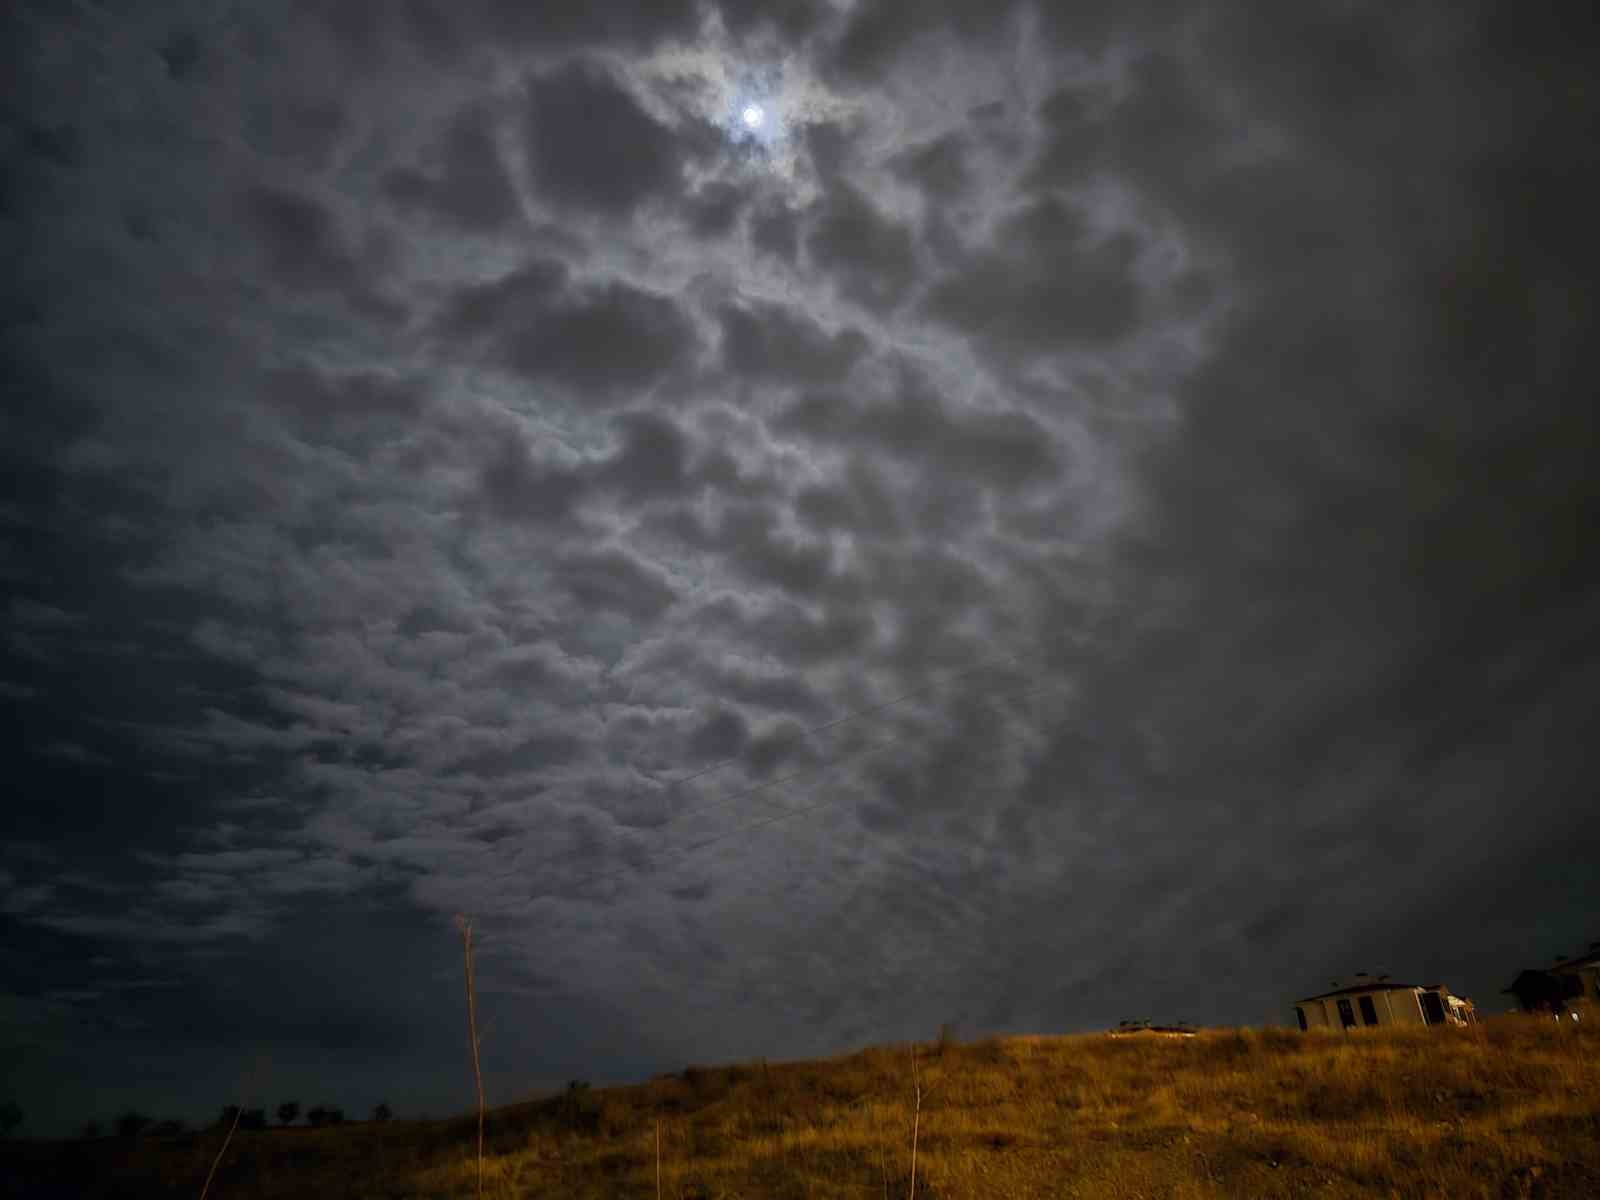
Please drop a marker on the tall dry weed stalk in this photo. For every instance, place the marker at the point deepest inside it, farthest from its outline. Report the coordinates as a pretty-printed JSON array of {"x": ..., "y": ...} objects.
[
  {"x": 916, "y": 1120},
  {"x": 464, "y": 924},
  {"x": 253, "y": 1078},
  {"x": 238, "y": 1111}
]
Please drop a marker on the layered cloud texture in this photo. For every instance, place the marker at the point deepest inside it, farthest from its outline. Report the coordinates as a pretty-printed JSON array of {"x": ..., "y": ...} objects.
[{"x": 1083, "y": 514}]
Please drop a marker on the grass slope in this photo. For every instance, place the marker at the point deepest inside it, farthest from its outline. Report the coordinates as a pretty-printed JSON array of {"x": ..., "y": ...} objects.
[{"x": 1510, "y": 1108}]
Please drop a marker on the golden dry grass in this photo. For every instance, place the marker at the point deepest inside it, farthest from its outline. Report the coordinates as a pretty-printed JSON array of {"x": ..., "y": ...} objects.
[{"x": 1510, "y": 1108}]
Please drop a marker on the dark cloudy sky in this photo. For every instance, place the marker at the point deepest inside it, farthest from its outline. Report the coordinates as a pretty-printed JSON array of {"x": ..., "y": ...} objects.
[{"x": 1067, "y": 513}]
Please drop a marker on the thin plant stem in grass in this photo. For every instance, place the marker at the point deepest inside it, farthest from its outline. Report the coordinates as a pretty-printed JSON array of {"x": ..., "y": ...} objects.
[
  {"x": 774, "y": 1123},
  {"x": 916, "y": 1120},
  {"x": 464, "y": 924},
  {"x": 248, "y": 1083},
  {"x": 658, "y": 1158},
  {"x": 238, "y": 1111}
]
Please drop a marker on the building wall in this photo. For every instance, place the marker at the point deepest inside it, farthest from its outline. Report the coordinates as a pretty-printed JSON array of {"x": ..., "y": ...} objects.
[
  {"x": 1316, "y": 1015},
  {"x": 1398, "y": 1006},
  {"x": 1407, "y": 1005},
  {"x": 1393, "y": 1006}
]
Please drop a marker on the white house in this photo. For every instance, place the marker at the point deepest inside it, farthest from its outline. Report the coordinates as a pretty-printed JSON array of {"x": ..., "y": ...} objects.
[{"x": 1377, "y": 1001}]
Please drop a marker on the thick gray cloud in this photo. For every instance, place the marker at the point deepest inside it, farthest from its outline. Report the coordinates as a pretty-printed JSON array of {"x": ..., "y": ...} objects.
[
  {"x": 878, "y": 35},
  {"x": 939, "y": 167},
  {"x": 869, "y": 254},
  {"x": 593, "y": 147},
  {"x": 987, "y": 552},
  {"x": 298, "y": 240},
  {"x": 1003, "y": 449},
  {"x": 604, "y": 342},
  {"x": 1047, "y": 285},
  {"x": 775, "y": 230},
  {"x": 768, "y": 342},
  {"x": 465, "y": 182}
]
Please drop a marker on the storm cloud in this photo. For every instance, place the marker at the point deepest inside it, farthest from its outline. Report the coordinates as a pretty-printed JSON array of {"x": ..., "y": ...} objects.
[{"x": 1071, "y": 514}]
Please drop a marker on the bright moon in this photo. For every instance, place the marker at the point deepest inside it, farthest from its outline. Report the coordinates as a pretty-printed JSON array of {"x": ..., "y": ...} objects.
[{"x": 752, "y": 116}]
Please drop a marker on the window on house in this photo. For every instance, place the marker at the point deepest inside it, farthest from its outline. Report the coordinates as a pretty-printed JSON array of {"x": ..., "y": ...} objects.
[
  {"x": 1432, "y": 1008},
  {"x": 1347, "y": 1015},
  {"x": 1300, "y": 1015},
  {"x": 1369, "y": 1011}
]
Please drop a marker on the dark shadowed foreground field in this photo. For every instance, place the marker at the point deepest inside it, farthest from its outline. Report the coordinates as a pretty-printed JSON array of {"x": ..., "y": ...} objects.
[{"x": 1510, "y": 1108}]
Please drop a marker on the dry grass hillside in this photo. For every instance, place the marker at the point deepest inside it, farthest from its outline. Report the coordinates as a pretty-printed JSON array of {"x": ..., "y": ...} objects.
[{"x": 1510, "y": 1108}]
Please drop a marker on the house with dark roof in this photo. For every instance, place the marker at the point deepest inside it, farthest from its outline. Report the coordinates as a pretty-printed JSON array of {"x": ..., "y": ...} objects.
[
  {"x": 1560, "y": 988},
  {"x": 1376, "y": 1000}
]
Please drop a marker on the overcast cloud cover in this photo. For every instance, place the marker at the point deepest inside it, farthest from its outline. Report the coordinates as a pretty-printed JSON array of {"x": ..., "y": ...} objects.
[{"x": 1085, "y": 512}]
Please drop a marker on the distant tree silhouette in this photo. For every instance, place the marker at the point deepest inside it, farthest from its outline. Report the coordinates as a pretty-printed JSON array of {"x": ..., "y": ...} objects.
[
  {"x": 10, "y": 1118},
  {"x": 229, "y": 1114},
  {"x": 288, "y": 1111},
  {"x": 131, "y": 1124},
  {"x": 253, "y": 1118},
  {"x": 91, "y": 1129},
  {"x": 323, "y": 1115},
  {"x": 171, "y": 1127},
  {"x": 383, "y": 1112}
]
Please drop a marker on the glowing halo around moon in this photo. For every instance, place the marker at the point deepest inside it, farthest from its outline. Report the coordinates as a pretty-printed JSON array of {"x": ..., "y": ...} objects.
[
  {"x": 754, "y": 115},
  {"x": 760, "y": 109}
]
